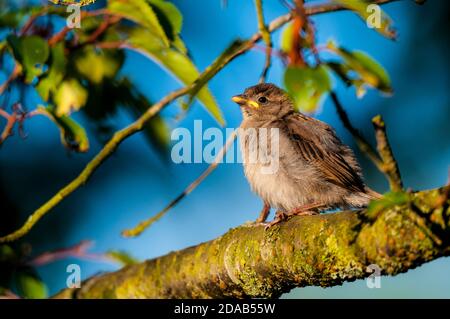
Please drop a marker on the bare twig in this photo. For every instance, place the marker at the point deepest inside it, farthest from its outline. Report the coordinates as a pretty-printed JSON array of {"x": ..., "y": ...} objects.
[
  {"x": 138, "y": 125},
  {"x": 390, "y": 167},
  {"x": 266, "y": 38},
  {"x": 14, "y": 74},
  {"x": 136, "y": 231},
  {"x": 17, "y": 116},
  {"x": 102, "y": 28},
  {"x": 7, "y": 130},
  {"x": 79, "y": 250}
]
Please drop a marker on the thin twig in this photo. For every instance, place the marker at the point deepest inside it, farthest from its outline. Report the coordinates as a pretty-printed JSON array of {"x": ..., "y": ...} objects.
[
  {"x": 363, "y": 145},
  {"x": 14, "y": 74},
  {"x": 390, "y": 166},
  {"x": 17, "y": 116},
  {"x": 7, "y": 131},
  {"x": 266, "y": 38},
  {"x": 138, "y": 125},
  {"x": 136, "y": 231},
  {"x": 79, "y": 250}
]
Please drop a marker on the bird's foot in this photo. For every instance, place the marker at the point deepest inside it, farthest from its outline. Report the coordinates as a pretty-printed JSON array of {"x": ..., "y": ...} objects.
[
  {"x": 279, "y": 217},
  {"x": 263, "y": 214},
  {"x": 306, "y": 210}
]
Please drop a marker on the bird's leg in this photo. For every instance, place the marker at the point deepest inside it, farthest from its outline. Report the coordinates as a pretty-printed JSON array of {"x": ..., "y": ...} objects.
[
  {"x": 306, "y": 210},
  {"x": 263, "y": 214},
  {"x": 279, "y": 217}
]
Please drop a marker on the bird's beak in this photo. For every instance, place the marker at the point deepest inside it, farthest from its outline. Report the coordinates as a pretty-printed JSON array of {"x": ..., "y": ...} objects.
[{"x": 241, "y": 100}]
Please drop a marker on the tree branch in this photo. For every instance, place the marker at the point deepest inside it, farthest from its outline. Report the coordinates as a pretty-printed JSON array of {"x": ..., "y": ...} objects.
[
  {"x": 138, "y": 125},
  {"x": 322, "y": 250},
  {"x": 389, "y": 167},
  {"x": 266, "y": 38}
]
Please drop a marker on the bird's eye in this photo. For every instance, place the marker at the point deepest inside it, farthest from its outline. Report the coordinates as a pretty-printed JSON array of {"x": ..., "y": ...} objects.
[{"x": 262, "y": 99}]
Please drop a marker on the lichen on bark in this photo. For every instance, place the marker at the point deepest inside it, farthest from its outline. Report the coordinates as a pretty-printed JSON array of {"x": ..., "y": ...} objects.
[{"x": 322, "y": 250}]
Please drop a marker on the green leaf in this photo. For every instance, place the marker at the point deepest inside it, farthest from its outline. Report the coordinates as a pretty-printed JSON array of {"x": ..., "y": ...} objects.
[
  {"x": 12, "y": 17},
  {"x": 30, "y": 286},
  {"x": 169, "y": 17},
  {"x": 7, "y": 254},
  {"x": 57, "y": 67},
  {"x": 286, "y": 38},
  {"x": 176, "y": 62},
  {"x": 388, "y": 200},
  {"x": 98, "y": 65},
  {"x": 374, "y": 16},
  {"x": 122, "y": 257},
  {"x": 70, "y": 96},
  {"x": 307, "y": 86},
  {"x": 366, "y": 71},
  {"x": 73, "y": 135},
  {"x": 31, "y": 52},
  {"x": 142, "y": 13}
]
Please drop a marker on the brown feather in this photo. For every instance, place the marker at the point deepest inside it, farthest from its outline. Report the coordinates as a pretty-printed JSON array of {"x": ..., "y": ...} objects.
[{"x": 323, "y": 154}]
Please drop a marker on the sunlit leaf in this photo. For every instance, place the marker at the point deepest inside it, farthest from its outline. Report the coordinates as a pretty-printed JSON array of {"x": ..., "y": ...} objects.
[
  {"x": 307, "y": 86},
  {"x": 57, "y": 68},
  {"x": 122, "y": 257},
  {"x": 177, "y": 63},
  {"x": 29, "y": 285},
  {"x": 286, "y": 38},
  {"x": 73, "y": 135},
  {"x": 360, "y": 69},
  {"x": 70, "y": 96},
  {"x": 141, "y": 12},
  {"x": 215, "y": 67},
  {"x": 98, "y": 65},
  {"x": 371, "y": 14},
  {"x": 31, "y": 52}
]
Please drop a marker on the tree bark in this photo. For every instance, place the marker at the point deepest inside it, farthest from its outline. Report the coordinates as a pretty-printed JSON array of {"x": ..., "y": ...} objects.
[{"x": 322, "y": 250}]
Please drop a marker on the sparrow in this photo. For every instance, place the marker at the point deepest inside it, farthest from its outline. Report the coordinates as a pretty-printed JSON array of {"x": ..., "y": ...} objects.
[{"x": 315, "y": 171}]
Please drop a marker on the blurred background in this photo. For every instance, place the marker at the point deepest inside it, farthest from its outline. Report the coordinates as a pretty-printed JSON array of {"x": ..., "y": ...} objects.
[{"x": 137, "y": 181}]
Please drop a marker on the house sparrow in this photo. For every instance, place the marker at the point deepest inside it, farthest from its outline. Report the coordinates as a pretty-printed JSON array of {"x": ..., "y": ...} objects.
[{"x": 314, "y": 172}]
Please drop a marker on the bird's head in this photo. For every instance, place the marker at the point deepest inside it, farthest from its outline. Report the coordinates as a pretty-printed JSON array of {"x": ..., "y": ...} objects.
[{"x": 264, "y": 100}]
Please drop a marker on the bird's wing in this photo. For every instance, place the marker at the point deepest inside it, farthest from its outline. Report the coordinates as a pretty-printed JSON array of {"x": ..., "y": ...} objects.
[{"x": 319, "y": 145}]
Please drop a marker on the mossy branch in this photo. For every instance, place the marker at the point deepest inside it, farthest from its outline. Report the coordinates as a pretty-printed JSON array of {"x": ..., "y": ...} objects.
[
  {"x": 138, "y": 125},
  {"x": 322, "y": 250}
]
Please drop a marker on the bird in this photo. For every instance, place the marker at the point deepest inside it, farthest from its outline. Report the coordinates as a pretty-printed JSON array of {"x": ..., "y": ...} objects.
[{"x": 315, "y": 171}]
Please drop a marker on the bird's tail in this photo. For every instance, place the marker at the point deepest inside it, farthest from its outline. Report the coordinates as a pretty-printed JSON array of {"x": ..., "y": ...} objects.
[{"x": 372, "y": 194}]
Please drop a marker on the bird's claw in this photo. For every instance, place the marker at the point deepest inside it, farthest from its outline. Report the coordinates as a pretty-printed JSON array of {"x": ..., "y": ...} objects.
[{"x": 279, "y": 217}]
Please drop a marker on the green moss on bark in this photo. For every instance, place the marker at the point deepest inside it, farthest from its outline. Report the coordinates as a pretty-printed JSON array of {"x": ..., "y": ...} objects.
[{"x": 323, "y": 250}]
